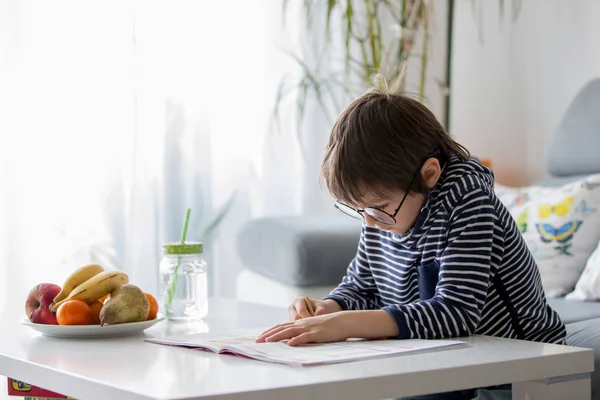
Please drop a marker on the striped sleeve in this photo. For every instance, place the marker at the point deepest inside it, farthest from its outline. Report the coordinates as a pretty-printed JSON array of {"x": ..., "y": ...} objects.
[
  {"x": 357, "y": 291},
  {"x": 464, "y": 276}
]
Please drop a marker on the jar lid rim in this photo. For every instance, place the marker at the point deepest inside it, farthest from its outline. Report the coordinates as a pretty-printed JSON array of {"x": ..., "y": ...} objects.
[{"x": 182, "y": 248}]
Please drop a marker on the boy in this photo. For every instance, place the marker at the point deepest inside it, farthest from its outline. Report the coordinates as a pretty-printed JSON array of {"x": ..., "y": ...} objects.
[{"x": 439, "y": 255}]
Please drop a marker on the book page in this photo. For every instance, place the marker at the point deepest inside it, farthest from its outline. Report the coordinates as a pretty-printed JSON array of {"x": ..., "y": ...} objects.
[
  {"x": 208, "y": 341},
  {"x": 243, "y": 343},
  {"x": 328, "y": 353}
]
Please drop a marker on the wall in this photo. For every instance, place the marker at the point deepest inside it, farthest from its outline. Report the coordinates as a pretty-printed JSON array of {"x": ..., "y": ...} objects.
[{"x": 511, "y": 83}]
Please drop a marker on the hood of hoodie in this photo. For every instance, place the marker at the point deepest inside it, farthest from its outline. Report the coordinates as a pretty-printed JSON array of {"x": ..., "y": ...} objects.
[{"x": 453, "y": 173}]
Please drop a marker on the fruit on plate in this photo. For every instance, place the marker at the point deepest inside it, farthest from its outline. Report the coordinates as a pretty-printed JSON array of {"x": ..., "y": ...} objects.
[
  {"x": 37, "y": 305},
  {"x": 74, "y": 312},
  {"x": 90, "y": 295},
  {"x": 128, "y": 303},
  {"x": 96, "y": 287},
  {"x": 153, "y": 307},
  {"x": 96, "y": 306},
  {"x": 79, "y": 276}
]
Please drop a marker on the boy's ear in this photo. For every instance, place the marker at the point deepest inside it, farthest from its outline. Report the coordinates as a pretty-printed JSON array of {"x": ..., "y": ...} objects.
[{"x": 431, "y": 172}]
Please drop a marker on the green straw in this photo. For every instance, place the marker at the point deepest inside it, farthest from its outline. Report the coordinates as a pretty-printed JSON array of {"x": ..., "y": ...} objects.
[
  {"x": 186, "y": 222},
  {"x": 173, "y": 287}
]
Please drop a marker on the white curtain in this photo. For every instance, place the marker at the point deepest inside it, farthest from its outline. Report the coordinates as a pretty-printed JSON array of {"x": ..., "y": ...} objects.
[{"x": 117, "y": 116}]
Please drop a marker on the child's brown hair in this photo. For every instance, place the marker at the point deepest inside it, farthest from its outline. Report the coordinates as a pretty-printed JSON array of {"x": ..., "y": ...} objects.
[{"x": 379, "y": 141}]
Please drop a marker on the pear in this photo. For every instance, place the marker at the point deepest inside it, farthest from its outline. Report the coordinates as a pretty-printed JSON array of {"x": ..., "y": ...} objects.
[{"x": 128, "y": 303}]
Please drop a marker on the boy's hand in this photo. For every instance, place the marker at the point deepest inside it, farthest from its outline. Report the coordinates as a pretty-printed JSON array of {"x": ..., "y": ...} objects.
[
  {"x": 305, "y": 307},
  {"x": 324, "y": 328},
  {"x": 334, "y": 327}
]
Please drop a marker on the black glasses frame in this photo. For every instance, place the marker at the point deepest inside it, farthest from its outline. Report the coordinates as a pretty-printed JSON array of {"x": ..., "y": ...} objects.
[{"x": 373, "y": 211}]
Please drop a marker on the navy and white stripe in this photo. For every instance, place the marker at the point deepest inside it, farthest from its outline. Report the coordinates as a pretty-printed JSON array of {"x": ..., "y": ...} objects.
[{"x": 463, "y": 269}]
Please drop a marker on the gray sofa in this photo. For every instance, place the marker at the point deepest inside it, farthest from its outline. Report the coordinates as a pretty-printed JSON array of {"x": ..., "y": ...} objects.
[{"x": 305, "y": 252}]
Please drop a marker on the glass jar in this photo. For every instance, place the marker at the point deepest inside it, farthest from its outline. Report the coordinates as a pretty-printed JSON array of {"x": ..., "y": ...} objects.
[{"x": 183, "y": 285}]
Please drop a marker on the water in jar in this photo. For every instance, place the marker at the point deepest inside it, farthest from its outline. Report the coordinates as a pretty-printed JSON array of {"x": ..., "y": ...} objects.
[{"x": 187, "y": 288}]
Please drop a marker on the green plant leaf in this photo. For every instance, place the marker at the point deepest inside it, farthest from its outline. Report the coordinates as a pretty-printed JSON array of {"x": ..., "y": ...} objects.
[
  {"x": 330, "y": 7},
  {"x": 348, "y": 16},
  {"x": 301, "y": 100},
  {"x": 424, "y": 58},
  {"x": 310, "y": 79},
  {"x": 363, "y": 49},
  {"x": 402, "y": 23}
]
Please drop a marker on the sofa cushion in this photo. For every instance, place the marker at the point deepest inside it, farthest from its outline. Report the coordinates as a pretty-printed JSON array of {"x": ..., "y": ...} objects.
[
  {"x": 587, "y": 334},
  {"x": 572, "y": 148},
  {"x": 300, "y": 251},
  {"x": 560, "y": 225},
  {"x": 559, "y": 181},
  {"x": 575, "y": 311}
]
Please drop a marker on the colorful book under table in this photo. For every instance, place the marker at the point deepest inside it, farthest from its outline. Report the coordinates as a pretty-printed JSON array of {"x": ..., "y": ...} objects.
[{"x": 21, "y": 389}]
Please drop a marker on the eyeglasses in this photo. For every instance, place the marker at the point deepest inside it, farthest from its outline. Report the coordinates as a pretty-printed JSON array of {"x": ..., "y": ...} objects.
[{"x": 377, "y": 214}]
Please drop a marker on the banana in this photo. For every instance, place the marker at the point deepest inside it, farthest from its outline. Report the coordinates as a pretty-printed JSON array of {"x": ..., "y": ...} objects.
[
  {"x": 78, "y": 276},
  {"x": 96, "y": 287}
]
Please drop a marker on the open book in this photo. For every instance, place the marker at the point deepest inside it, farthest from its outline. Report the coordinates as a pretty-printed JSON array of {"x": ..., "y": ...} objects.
[{"x": 243, "y": 344}]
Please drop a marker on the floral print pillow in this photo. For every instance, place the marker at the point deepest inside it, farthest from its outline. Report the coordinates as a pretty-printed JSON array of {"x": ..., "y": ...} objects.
[
  {"x": 588, "y": 285},
  {"x": 561, "y": 227}
]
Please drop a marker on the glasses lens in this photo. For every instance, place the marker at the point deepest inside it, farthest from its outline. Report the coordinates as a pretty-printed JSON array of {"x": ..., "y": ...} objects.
[
  {"x": 348, "y": 210},
  {"x": 380, "y": 216}
]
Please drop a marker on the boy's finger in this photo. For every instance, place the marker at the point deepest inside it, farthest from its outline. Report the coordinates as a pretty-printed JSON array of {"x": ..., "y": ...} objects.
[
  {"x": 320, "y": 310},
  {"x": 309, "y": 306},
  {"x": 286, "y": 333},
  {"x": 303, "y": 338},
  {"x": 273, "y": 330},
  {"x": 303, "y": 311},
  {"x": 293, "y": 314}
]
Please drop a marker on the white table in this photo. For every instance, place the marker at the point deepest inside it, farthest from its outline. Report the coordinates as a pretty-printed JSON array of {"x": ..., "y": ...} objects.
[{"x": 129, "y": 368}]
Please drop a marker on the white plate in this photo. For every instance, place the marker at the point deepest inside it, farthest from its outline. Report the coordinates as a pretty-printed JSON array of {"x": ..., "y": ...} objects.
[{"x": 92, "y": 331}]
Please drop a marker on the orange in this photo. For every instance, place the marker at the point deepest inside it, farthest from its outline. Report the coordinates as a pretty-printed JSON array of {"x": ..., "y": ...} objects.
[
  {"x": 74, "y": 312},
  {"x": 96, "y": 307},
  {"x": 104, "y": 298},
  {"x": 153, "y": 307}
]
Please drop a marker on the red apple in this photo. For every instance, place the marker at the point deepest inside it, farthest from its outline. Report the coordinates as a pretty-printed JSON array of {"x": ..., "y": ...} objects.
[{"x": 38, "y": 303}]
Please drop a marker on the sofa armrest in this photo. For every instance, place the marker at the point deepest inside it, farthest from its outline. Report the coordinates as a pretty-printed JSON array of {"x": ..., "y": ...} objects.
[{"x": 300, "y": 251}]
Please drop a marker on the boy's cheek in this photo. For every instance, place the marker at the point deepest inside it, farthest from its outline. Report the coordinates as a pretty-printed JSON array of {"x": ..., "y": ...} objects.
[{"x": 370, "y": 222}]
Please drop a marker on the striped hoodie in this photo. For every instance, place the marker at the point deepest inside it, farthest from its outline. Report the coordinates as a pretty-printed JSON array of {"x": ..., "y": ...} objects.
[{"x": 462, "y": 269}]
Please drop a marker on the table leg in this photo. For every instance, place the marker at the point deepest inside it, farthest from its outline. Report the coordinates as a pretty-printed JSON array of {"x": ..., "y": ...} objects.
[{"x": 572, "y": 387}]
